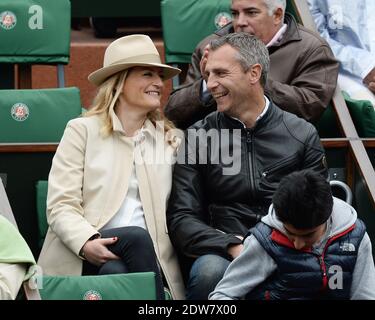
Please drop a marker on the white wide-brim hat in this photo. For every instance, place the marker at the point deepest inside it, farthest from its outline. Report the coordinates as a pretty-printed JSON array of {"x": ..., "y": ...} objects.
[{"x": 127, "y": 52}]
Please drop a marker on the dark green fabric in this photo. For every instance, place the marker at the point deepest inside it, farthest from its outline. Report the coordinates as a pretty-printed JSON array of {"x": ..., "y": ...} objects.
[
  {"x": 45, "y": 118},
  {"x": 363, "y": 115},
  {"x": 41, "y": 209},
  {"x": 290, "y": 9},
  {"x": 327, "y": 125},
  {"x": 186, "y": 23},
  {"x": 40, "y": 34},
  {"x": 130, "y": 286},
  {"x": 23, "y": 169}
]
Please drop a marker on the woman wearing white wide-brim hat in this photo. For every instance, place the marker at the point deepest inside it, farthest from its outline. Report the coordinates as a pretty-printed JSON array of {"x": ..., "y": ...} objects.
[{"x": 111, "y": 176}]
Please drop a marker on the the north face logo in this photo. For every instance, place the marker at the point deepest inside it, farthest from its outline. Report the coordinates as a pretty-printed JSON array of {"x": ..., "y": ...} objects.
[{"x": 347, "y": 247}]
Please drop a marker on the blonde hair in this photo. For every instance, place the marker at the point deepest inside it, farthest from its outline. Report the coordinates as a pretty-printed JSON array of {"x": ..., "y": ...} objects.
[{"x": 107, "y": 97}]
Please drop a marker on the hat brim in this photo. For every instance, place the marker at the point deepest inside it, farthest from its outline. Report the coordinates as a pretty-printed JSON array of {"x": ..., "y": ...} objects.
[{"x": 98, "y": 76}]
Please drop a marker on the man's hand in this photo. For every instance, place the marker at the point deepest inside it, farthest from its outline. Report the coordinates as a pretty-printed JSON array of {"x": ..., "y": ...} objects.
[
  {"x": 235, "y": 250},
  {"x": 203, "y": 62},
  {"x": 369, "y": 80},
  {"x": 96, "y": 251}
]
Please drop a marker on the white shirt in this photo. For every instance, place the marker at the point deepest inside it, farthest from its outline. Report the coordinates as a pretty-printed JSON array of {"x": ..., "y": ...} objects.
[
  {"x": 131, "y": 211},
  {"x": 266, "y": 106}
]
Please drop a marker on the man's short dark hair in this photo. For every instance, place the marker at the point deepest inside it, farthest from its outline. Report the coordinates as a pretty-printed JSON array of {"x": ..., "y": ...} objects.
[{"x": 303, "y": 199}]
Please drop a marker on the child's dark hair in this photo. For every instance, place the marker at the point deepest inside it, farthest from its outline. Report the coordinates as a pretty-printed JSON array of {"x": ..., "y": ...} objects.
[{"x": 303, "y": 199}]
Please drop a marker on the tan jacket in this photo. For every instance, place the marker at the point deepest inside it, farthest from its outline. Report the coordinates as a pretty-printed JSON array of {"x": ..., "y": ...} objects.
[{"x": 87, "y": 184}]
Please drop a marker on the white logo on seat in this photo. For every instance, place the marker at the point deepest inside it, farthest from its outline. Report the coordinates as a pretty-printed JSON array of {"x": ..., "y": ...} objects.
[
  {"x": 92, "y": 295},
  {"x": 8, "y": 20},
  {"x": 20, "y": 111},
  {"x": 222, "y": 19}
]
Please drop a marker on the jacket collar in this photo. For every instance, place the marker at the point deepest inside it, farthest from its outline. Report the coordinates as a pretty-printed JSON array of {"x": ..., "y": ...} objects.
[
  {"x": 268, "y": 120},
  {"x": 291, "y": 33},
  {"x": 281, "y": 239},
  {"x": 148, "y": 127}
]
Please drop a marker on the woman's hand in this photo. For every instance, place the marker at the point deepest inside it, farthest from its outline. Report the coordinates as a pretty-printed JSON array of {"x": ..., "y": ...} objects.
[{"x": 96, "y": 251}]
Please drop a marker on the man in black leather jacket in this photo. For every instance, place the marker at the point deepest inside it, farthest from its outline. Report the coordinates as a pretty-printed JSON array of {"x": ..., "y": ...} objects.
[{"x": 232, "y": 161}]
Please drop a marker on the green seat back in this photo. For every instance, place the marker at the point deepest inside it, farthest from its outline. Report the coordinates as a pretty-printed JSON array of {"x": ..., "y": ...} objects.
[
  {"x": 35, "y": 31},
  {"x": 363, "y": 115},
  {"x": 290, "y": 9},
  {"x": 29, "y": 116},
  {"x": 41, "y": 209},
  {"x": 186, "y": 22},
  {"x": 327, "y": 125},
  {"x": 130, "y": 286}
]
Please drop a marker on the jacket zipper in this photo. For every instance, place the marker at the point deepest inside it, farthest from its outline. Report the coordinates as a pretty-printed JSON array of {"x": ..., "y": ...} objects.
[
  {"x": 321, "y": 257},
  {"x": 249, "y": 144},
  {"x": 324, "y": 272},
  {"x": 269, "y": 170}
]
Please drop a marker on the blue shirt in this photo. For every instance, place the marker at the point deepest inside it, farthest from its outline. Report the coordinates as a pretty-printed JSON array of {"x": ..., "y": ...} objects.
[{"x": 349, "y": 28}]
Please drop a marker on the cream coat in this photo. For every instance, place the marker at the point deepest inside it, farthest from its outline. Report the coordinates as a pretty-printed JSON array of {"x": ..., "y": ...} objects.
[{"x": 87, "y": 184}]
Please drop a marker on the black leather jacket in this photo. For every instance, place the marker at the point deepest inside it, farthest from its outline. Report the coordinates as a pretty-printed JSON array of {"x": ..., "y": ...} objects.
[{"x": 211, "y": 203}]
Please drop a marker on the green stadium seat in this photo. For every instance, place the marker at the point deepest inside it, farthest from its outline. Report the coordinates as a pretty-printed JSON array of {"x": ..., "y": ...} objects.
[
  {"x": 327, "y": 125},
  {"x": 290, "y": 9},
  {"x": 33, "y": 116},
  {"x": 363, "y": 115},
  {"x": 35, "y": 32},
  {"x": 130, "y": 286},
  {"x": 31, "y": 125},
  {"x": 186, "y": 22}
]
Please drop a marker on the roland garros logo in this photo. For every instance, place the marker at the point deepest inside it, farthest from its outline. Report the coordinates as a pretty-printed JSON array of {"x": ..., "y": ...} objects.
[
  {"x": 92, "y": 295},
  {"x": 222, "y": 19},
  {"x": 8, "y": 20},
  {"x": 20, "y": 111}
]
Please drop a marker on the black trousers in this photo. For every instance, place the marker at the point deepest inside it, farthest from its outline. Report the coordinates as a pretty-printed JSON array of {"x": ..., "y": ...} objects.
[{"x": 135, "y": 248}]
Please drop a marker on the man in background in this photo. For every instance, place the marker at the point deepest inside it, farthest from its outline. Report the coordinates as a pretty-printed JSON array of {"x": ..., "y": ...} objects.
[{"x": 303, "y": 72}]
